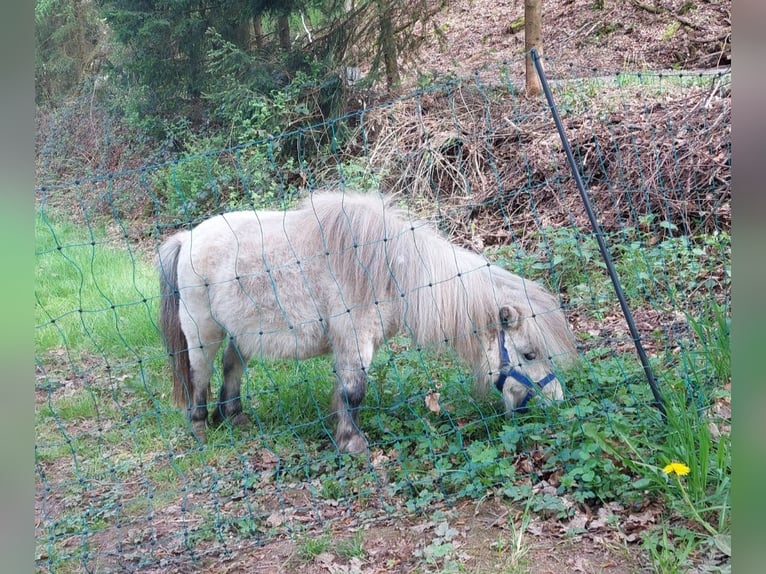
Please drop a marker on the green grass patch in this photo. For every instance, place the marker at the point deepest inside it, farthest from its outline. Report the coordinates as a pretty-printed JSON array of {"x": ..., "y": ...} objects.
[
  {"x": 312, "y": 546},
  {"x": 71, "y": 408},
  {"x": 92, "y": 293}
]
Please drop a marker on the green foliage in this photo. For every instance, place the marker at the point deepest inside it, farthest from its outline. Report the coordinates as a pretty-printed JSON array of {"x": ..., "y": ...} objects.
[
  {"x": 703, "y": 495},
  {"x": 565, "y": 259},
  {"x": 69, "y": 41},
  {"x": 666, "y": 272},
  {"x": 253, "y": 98},
  {"x": 172, "y": 69},
  {"x": 675, "y": 267},
  {"x": 206, "y": 71},
  {"x": 201, "y": 184}
]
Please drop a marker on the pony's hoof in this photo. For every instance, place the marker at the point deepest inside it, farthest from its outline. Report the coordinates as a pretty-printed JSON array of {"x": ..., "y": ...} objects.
[
  {"x": 355, "y": 445},
  {"x": 199, "y": 430},
  {"x": 240, "y": 420}
]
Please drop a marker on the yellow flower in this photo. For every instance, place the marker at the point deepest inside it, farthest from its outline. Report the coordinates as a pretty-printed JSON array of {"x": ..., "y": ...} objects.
[{"x": 678, "y": 468}]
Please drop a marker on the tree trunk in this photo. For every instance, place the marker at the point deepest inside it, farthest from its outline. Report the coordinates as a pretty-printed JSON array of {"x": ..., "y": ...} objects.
[
  {"x": 388, "y": 44},
  {"x": 243, "y": 33},
  {"x": 283, "y": 27},
  {"x": 533, "y": 38},
  {"x": 258, "y": 31},
  {"x": 81, "y": 57}
]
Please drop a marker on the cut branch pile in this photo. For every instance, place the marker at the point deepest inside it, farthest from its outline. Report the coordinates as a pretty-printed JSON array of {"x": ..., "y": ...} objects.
[{"x": 488, "y": 158}]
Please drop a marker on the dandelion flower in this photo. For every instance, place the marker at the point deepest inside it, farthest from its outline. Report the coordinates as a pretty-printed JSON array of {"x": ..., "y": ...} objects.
[{"x": 678, "y": 468}]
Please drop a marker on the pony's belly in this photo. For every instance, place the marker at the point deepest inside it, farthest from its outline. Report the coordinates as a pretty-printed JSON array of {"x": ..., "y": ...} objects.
[{"x": 285, "y": 342}]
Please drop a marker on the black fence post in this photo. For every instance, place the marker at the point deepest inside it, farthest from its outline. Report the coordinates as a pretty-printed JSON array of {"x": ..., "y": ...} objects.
[{"x": 599, "y": 237}]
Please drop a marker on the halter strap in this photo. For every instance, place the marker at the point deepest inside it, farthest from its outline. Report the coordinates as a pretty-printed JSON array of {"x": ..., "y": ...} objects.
[{"x": 506, "y": 370}]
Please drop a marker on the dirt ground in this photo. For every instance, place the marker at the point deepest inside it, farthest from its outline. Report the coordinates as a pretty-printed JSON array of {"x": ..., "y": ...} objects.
[
  {"x": 481, "y": 538},
  {"x": 485, "y": 536}
]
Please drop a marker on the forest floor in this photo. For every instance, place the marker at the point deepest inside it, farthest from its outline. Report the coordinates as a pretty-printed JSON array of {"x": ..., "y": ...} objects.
[{"x": 580, "y": 40}]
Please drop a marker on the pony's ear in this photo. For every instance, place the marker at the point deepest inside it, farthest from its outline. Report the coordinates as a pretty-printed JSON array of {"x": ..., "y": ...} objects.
[{"x": 510, "y": 317}]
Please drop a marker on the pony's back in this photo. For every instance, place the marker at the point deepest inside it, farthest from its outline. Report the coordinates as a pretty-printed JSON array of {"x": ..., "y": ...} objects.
[{"x": 445, "y": 291}]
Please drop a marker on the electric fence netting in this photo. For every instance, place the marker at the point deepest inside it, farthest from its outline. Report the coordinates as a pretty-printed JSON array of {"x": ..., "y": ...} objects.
[{"x": 124, "y": 485}]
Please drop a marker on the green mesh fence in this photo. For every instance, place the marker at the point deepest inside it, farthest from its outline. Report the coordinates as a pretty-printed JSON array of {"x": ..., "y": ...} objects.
[{"x": 122, "y": 485}]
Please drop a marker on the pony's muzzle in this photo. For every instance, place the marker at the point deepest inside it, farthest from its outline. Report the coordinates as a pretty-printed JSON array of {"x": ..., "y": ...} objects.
[{"x": 549, "y": 386}]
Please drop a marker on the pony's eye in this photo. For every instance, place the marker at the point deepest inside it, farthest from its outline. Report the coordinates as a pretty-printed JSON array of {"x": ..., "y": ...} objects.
[{"x": 530, "y": 356}]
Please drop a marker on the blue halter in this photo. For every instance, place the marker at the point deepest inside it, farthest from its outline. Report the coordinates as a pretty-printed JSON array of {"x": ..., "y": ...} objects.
[{"x": 507, "y": 370}]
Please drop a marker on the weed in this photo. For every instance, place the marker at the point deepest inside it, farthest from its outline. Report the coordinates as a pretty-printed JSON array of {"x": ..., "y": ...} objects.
[
  {"x": 441, "y": 547},
  {"x": 711, "y": 328},
  {"x": 512, "y": 546},
  {"x": 669, "y": 549},
  {"x": 312, "y": 546},
  {"x": 331, "y": 490},
  {"x": 351, "y": 547},
  {"x": 246, "y": 527}
]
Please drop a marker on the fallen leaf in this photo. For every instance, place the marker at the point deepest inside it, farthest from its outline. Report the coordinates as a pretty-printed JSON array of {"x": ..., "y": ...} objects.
[
  {"x": 578, "y": 521},
  {"x": 723, "y": 543},
  {"x": 325, "y": 558},
  {"x": 422, "y": 527},
  {"x": 432, "y": 402},
  {"x": 555, "y": 477}
]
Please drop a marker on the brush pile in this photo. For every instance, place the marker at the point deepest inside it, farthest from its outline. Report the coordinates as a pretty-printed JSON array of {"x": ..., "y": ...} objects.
[{"x": 493, "y": 163}]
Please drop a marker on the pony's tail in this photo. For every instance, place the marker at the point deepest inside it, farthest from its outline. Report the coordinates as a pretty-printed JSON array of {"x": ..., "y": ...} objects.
[{"x": 170, "y": 323}]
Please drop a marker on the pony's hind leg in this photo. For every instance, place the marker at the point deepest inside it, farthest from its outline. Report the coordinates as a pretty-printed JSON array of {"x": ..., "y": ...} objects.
[
  {"x": 204, "y": 338},
  {"x": 230, "y": 401},
  {"x": 201, "y": 363}
]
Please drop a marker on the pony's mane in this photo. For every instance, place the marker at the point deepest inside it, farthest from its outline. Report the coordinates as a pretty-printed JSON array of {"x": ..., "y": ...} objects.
[{"x": 447, "y": 291}]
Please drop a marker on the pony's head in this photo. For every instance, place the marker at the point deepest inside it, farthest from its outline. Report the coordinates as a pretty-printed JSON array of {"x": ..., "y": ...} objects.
[{"x": 519, "y": 357}]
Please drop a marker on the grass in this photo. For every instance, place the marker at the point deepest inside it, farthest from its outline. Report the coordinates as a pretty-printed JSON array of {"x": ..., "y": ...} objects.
[
  {"x": 312, "y": 546},
  {"x": 352, "y": 547},
  {"x": 91, "y": 294},
  {"x": 513, "y": 546},
  {"x": 111, "y": 448},
  {"x": 669, "y": 549}
]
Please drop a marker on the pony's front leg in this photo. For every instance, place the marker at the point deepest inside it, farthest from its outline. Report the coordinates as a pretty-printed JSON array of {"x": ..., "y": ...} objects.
[
  {"x": 350, "y": 388},
  {"x": 229, "y": 401}
]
